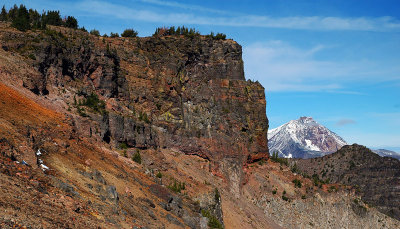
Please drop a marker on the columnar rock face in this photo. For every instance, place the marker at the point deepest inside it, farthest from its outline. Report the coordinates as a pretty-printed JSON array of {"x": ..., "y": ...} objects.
[{"x": 160, "y": 92}]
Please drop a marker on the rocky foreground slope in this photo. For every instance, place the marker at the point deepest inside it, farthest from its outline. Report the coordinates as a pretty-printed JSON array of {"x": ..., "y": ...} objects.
[{"x": 156, "y": 132}]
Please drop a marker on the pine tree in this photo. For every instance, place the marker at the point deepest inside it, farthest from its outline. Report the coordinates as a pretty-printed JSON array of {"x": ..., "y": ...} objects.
[
  {"x": 21, "y": 21},
  {"x": 3, "y": 14},
  {"x": 71, "y": 22},
  {"x": 34, "y": 18},
  {"x": 12, "y": 13}
]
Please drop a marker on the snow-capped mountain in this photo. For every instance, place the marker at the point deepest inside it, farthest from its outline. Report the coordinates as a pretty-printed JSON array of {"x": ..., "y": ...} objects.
[
  {"x": 303, "y": 138},
  {"x": 387, "y": 153}
]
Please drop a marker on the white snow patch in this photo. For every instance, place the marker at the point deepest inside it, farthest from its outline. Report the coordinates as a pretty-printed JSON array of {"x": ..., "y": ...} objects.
[
  {"x": 310, "y": 146},
  {"x": 288, "y": 156},
  {"x": 44, "y": 167},
  {"x": 38, "y": 153}
]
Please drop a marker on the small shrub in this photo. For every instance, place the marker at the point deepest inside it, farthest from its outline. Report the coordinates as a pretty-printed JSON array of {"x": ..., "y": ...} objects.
[
  {"x": 32, "y": 56},
  {"x": 177, "y": 186},
  {"x": 143, "y": 117},
  {"x": 217, "y": 196},
  {"x": 303, "y": 197},
  {"x": 213, "y": 221},
  {"x": 93, "y": 102},
  {"x": 95, "y": 32},
  {"x": 285, "y": 198},
  {"x": 274, "y": 191},
  {"x": 332, "y": 189},
  {"x": 159, "y": 175},
  {"x": 297, "y": 183},
  {"x": 136, "y": 157},
  {"x": 123, "y": 145},
  {"x": 129, "y": 33},
  {"x": 114, "y": 35}
]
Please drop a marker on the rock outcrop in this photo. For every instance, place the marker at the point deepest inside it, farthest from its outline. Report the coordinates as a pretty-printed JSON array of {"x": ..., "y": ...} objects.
[{"x": 159, "y": 92}]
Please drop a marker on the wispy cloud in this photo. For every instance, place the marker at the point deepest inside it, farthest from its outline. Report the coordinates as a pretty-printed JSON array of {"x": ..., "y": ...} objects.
[
  {"x": 345, "y": 121},
  {"x": 280, "y": 66},
  {"x": 392, "y": 118},
  {"x": 304, "y": 23},
  {"x": 184, "y": 6}
]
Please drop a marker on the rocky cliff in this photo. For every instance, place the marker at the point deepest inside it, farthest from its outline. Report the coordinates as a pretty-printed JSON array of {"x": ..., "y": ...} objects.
[{"x": 159, "y": 92}]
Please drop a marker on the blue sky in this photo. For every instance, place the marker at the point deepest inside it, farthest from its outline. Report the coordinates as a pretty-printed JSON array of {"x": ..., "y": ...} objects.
[{"x": 337, "y": 61}]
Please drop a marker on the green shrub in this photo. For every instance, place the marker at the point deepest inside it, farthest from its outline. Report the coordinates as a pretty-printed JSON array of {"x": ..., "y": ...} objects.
[
  {"x": 274, "y": 191},
  {"x": 137, "y": 157},
  {"x": 129, "y": 33},
  {"x": 285, "y": 198},
  {"x": 297, "y": 183},
  {"x": 213, "y": 221},
  {"x": 71, "y": 22},
  {"x": 159, "y": 174},
  {"x": 95, "y": 32},
  {"x": 114, "y": 34},
  {"x": 278, "y": 159},
  {"x": 143, "y": 117},
  {"x": 93, "y": 102},
  {"x": 123, "y": 145},
  {"x": 177, "y": 186},
  {"x": 217, "y": 196}
]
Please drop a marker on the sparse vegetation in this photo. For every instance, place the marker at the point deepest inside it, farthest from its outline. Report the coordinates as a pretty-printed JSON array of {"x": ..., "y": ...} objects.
[
  {"x": 217, "y": 196},
  {"x": 276, "y": 158},
  {"x": 213, "y": 221},
  {"x": 297, "y": 183},
  {"x": 113, "y": 35},
  {"x": 177, "y": 186},
  {"x": 123, "y": 145},
  {"x": 143, "y": 117},
  {"x": 318, "y": 182},
  {"x": 93, "y": 102},
  {"x": 159, "y": 175},
  {"x": 136, "y": 157},
  {"x": 188, "y": 32}
]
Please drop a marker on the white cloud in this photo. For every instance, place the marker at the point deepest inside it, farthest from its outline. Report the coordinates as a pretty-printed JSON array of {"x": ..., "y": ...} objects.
[
  {"x": 307, "y": 23},
  {"x": 345, "y": 121},
  {"x": 279, "y": 66},
  {"x": 184, "y": 6}
]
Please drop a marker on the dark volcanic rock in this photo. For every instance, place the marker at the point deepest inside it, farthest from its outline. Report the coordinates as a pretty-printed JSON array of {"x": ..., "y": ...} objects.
[
  {"x": 376, "y": 178},
  {"x": 160, "y": 92}
]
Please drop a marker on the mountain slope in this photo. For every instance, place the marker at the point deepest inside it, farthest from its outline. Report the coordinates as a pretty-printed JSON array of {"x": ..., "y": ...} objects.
[
  {"x": 303, "y": 138},
  {"x": 376, "y": 178}
]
